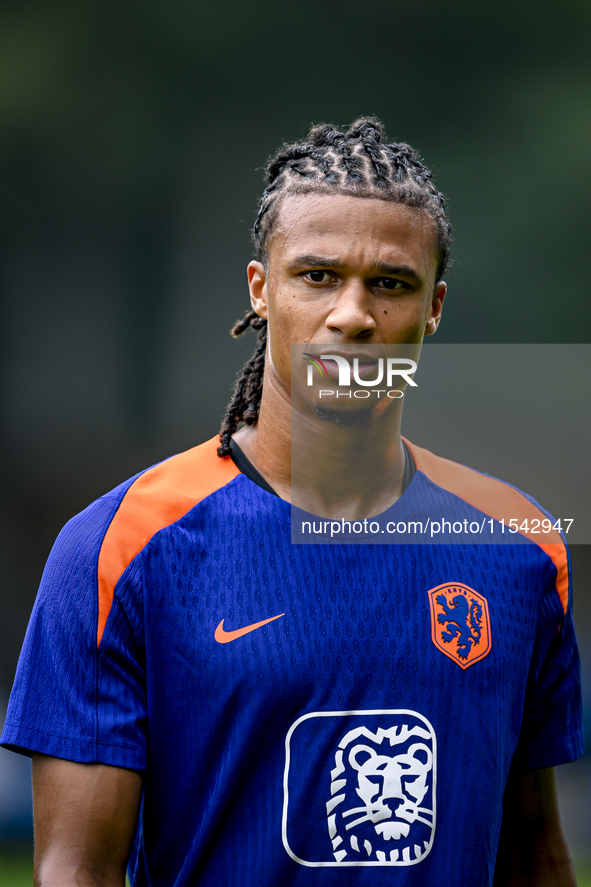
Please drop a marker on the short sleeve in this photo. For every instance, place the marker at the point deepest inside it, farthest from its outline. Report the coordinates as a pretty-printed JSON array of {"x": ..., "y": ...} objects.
[
  {"x": 552, "y": 729},
  {"x": 72, "y": 698}
]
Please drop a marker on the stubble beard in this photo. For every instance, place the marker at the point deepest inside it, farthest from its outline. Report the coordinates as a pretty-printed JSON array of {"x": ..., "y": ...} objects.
[{"x": 345, "y": 418}]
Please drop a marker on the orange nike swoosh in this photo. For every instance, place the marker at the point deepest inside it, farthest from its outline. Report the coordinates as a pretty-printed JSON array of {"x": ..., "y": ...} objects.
[{"x": 224, "y": 637}]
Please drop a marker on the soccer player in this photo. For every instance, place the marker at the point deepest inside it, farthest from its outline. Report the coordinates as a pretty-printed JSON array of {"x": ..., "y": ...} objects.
[{"x": 212, "y": 704}]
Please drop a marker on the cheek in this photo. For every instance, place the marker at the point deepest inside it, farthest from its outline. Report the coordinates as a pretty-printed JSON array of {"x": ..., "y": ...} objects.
[
  {"x": 409, "y": 314},
  {"x": 279, "y": 341},
  {"x": 291, "y": 322}
]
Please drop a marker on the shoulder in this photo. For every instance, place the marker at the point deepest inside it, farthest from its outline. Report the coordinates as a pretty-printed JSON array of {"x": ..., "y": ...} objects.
[
  {"x": 103, "y": 540},
  {"x": 165, "y": 492},
  {"x": 155, "y": 497},
  {"x": 502, "y": 502},
  {"x": 489, "y": 494}
]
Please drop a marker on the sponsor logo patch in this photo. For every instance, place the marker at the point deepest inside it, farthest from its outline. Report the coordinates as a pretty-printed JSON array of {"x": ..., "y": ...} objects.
[
  {"x": 359, "y": 788},
  {"x": 460, "y": 623}
]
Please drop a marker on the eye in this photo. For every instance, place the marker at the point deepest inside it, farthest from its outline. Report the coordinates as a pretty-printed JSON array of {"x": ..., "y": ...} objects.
[
  {"x": 318, "y": 276},
  {"x": 390, "y": 283}
]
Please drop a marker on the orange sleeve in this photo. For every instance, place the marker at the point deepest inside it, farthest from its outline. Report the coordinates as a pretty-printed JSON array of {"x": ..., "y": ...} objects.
[
  {"x": 157, "y": 499},
  {"x": 499, "y": 501}
]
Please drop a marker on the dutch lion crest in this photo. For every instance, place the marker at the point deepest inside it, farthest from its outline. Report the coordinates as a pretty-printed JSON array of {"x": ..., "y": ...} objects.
[{"x": 460, "y": 623}]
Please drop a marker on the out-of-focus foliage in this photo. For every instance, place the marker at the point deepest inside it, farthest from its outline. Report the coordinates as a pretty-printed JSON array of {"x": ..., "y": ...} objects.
[{"x": 110, "y": 111}]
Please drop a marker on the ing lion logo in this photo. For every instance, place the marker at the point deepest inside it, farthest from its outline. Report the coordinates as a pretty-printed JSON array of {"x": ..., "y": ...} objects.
[
  {"x": 460, "y": 623},
  {"x": 382, "y": 809}
]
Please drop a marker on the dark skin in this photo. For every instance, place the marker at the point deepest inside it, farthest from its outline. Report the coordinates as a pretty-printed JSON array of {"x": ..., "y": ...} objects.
[
  {"x": 85, "y": 818},
  {"x": 532, "y": 848},
  {"x": 376, "y": 285}
]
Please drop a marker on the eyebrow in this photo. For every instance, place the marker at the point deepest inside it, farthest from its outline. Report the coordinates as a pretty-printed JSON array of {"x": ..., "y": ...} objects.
[
  {"x": 309, "y": 260},
  {"x": 385, "y": 270},
  {"x": 376, "y": 268}
]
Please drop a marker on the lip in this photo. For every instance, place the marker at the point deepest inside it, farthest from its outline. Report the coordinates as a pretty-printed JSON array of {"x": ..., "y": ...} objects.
[
  {"x": 361, "y": 356},
  {"x": 366, "y": 363}
]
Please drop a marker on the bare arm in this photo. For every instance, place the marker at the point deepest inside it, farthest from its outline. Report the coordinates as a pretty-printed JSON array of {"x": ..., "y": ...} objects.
[
  {"x": 532, "y": 848},
  {"x": 85, "y": 817}
]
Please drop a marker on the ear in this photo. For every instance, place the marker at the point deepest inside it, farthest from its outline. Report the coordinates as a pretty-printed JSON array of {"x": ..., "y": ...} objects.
[
  {"x": 436, "y": 308},
  {"x": 257, "y": 285}
]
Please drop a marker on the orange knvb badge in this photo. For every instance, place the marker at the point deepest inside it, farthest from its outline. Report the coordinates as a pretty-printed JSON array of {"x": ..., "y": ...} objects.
[{"x": 460, "y": 624}]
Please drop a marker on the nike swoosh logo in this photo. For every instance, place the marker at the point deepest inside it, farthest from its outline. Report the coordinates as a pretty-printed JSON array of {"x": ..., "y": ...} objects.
[{"x": 224, "y": 637}]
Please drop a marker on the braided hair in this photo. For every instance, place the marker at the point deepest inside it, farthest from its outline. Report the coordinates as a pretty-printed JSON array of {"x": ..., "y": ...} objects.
[{"x": 358, "y": 162}]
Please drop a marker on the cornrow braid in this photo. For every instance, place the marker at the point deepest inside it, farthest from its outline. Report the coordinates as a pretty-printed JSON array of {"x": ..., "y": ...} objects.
[
  {"x": 380, "y": 169},
  {"x": 246, "y": 399},
  {"x": 351, "y": 165},
  {"x": 359, "y": 162}
]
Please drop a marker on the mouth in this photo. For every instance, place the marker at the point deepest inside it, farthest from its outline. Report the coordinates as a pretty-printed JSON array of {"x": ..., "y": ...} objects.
[
  {"x": 332, "y": 369},
  {"x": 365, "y": 363},
  {"x": 365, "y": 368}
]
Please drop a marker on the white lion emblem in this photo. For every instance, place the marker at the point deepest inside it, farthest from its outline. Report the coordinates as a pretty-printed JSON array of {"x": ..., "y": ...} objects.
[{"x": 391, "y": 773}]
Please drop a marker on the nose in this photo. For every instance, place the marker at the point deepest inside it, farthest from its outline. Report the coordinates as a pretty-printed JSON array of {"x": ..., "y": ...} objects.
[{"x": 351, "y": 313}]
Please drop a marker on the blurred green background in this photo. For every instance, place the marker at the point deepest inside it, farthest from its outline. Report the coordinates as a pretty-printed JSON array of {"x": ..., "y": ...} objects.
[{"x": 132, "y": 137}]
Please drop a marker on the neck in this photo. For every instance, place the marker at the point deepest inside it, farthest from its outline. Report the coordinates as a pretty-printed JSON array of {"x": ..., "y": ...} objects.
[{"x": 333, "y": 470}]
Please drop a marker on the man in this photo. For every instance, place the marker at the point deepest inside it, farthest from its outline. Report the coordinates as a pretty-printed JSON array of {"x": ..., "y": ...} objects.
[{"x": 219, "y": 705}]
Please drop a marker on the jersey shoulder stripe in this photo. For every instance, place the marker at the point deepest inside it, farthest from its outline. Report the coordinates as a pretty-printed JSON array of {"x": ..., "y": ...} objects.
[
  {"x": 158, "y": 498},
  {"x": 498, "y": 500}
]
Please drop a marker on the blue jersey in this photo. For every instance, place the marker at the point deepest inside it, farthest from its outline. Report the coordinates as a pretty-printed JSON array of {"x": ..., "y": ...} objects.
[{"x": 303, "y": 714}]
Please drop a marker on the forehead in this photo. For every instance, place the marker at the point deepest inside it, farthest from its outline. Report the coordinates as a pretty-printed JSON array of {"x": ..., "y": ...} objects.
[{"x": 354, "y": 230}]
